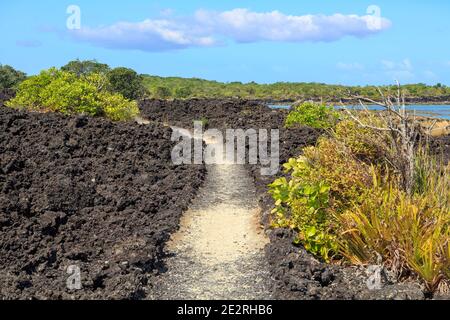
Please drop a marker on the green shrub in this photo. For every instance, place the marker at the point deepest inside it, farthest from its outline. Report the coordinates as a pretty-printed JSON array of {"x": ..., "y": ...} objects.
[
  {"x": 204, "y": 121},
  {"x": 321, "y": 183},
  {"x": 162, "y": 93},
  {"x": 65, "y": 92},
  {"x": 312, "y": 114},
  {"x": 84, "y": 68},
  {"x": 364, "y": 143},
  {"x": 183, "y": 92},
  {"x": 117, "y": 108},
  {"x": 10, "y": 78},
  {"x": 126, "y": 82},
  {"x": 301, "y": 205},
  {"x": 346, "y": 201},
  {"x": 333, "y": 162}
]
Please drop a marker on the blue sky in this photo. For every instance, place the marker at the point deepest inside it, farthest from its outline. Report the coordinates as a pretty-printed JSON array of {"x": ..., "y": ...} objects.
[{"x": 265, "y": 41}]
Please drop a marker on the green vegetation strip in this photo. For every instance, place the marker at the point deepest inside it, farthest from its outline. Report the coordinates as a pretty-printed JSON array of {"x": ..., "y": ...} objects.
[{"x": 133, "y": 86}]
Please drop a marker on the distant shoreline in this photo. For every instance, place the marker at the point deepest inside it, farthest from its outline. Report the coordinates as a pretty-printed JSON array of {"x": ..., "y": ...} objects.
[{"x": 350, "y": 102}]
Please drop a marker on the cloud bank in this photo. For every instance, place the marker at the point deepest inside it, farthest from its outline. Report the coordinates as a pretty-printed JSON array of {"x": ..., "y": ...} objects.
[
  {"x": 402, "y": 71},
  {"x": 353, "y": 66},
  {"x": 210, "y": 28}
]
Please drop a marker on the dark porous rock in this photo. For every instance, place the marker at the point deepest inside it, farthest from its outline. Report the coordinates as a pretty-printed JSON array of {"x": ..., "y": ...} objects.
[
  {"x": 86, "y": 192},
  {"x": 297, "y": 275},
  {"x": 403, "y": 291},
  {"x": 6, "y": 94}
]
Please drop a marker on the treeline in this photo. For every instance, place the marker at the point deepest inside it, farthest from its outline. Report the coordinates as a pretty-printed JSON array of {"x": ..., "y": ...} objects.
[
  {"x": 184, "y": 88},
  {"x": 80, "y": 87}
]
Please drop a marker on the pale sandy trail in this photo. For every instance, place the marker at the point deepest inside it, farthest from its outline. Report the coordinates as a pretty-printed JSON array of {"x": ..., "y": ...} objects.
[{"x": 218, "y": 253}]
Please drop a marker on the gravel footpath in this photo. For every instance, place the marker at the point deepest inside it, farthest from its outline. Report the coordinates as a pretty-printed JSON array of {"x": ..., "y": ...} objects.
[
  {"x": 218, "y": 252},
  {"x": 294, "y": 273}
]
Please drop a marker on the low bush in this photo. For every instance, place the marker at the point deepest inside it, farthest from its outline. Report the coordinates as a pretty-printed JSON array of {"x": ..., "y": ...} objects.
[
  {"x": 345, "y": 199},
  {"x": 365, "y": 144},
  {"x": 204, "y": 121},
  {"x": 84, "y": 68},
  {"x": 126, "y": 82},
  {"x": 183, "y": 92},
  {"x": 65, "y": 92},
  {"x": 312, "y": 114},
  {"x": 302, "y": 205},
  {"x": 162, "y": 93},
  {"x": 10, "y": 78},
  {"x": 322, "y": 182},
  {"x": 116, "y": 108},
  {"x": 121, "y": 80}
]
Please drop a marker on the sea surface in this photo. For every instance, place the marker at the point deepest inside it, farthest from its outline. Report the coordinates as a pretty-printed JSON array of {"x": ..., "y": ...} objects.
[{"x": 435, "y": 111}]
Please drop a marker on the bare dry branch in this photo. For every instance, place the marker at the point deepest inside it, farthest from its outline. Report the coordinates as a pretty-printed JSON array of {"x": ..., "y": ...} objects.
[{"x": 403, "y": 130}]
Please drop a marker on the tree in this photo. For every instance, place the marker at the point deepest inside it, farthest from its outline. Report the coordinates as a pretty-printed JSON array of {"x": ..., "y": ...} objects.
[
  {"x": 183, "y": 92},
  {"x": 65, "y": 92},
  {"x": 402, "y": 128},
  {"x": 126, "y": 82},
  {"x": 162, "y": 92},
  {"x": 86, "y": 67},
  {"x": 10, "y": 78},
  {"x": 312, "y": 114}
]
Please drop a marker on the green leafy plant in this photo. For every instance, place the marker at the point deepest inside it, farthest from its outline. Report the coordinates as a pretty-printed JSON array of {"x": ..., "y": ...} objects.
[
  {"x": 183, "y": 92},
  {"x": 322, "y": 182},
  {"x": 302, "y": 205},
  {"x": 162, "y": 92},
  {"x": 116, "y": 108},
  {"x": 65, "y": 92},
  {"x": 126, "y": 82},
  {"x": 363, "y": 143},
  {"x": 313, "y": 115},
  {"x": 10, "y": 78},
  {"x": 84, "y": 68},
  {"x": 204, "y": 121}
]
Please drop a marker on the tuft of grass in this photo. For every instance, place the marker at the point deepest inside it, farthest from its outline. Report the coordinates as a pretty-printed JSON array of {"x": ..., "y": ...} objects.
[
  {"x": 410, "y": 232},
  {"x": 204, "y": 121}
]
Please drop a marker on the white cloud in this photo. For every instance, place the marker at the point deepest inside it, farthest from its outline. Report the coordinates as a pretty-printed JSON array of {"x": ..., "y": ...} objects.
[
  {"x": 148, "y": 35},
  {"x": 405, "y": 64},
  {"x": 207, "y": 28},
  {"x": 401, "y": 71},
  {"x": 243, "y": 25},
  {"x": 353, "y": 66}
]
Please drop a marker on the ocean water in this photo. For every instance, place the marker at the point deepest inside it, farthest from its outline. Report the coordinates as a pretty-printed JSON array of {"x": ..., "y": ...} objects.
[{"x": 435, "y": 111}]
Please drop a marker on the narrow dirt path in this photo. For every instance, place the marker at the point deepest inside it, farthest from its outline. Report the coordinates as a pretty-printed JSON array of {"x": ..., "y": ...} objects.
[{"x": 218, "y": 252}]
